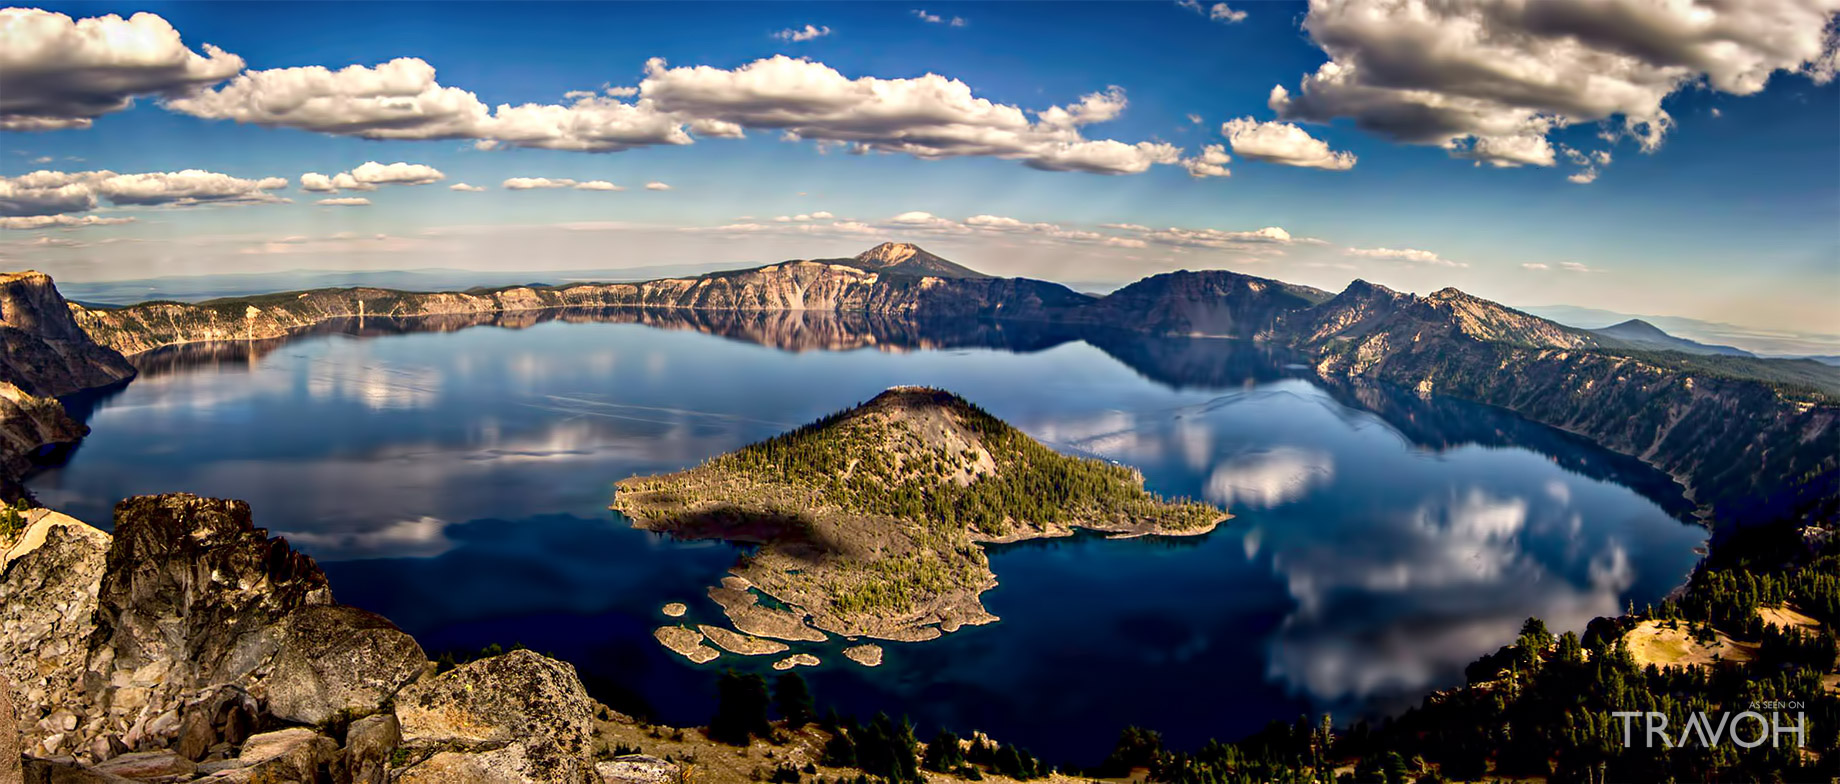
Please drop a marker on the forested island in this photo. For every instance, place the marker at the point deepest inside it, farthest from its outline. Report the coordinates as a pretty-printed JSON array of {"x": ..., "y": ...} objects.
[{"x": 869, "y": 520}]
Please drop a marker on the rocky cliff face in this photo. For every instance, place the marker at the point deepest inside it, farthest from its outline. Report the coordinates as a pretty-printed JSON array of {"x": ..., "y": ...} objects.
[
  {"x": 790, "y": 286},
  {"x": 1736, "y": 444},
  {"x": 43, "y": 351},
  {"x": 29, "y": 426},
  {"x": 190, "y": 644}
]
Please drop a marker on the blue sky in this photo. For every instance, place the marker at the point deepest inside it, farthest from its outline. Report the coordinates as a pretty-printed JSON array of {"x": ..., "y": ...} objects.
[{"x": 1731, "y": 217}]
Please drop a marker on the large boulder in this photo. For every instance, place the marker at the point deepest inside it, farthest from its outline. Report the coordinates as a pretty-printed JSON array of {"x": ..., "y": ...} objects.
[
  {"x": 339, "y": 661},
  {"x": 285, "y": 756},
  {"x": 368, "y": 744},
  {"x": 519, "y": 717}
]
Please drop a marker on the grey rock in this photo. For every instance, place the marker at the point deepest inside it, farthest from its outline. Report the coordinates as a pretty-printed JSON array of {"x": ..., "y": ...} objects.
[
  {"x": 155, "y": 766},
  {"x": 67, "y": 771},
  {"x": 337, "y": 660},
  {"x": 368, "y": 743},
  {"x": 516, "y": 717},
  {"x": 47, "y": 602},
  {"x": 295, "y": 754},
  {"x": 636, "y": 769}
]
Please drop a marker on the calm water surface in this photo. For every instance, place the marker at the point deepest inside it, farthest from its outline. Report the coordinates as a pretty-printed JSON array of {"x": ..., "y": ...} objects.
[{"x": 457, "y": 484}]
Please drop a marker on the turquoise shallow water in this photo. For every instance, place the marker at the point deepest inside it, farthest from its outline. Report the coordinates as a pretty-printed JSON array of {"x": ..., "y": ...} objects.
[{"x": 457, "y": 482}]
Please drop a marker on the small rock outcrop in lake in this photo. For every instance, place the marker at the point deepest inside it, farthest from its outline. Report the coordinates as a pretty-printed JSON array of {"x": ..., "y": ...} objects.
[
  {"x": 685, "y": 642},
  {"x": 870, "y": 519},
  {"x": 735, "y": 642},
  {"x": 797, "y": 660},
  {"x": 865, "y": 655}
]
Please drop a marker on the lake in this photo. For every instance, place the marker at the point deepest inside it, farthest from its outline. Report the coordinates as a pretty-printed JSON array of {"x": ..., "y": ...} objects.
[{"x": 457, "y": 482}]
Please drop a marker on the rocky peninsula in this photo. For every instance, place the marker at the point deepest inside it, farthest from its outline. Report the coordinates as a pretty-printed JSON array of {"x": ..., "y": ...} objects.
[{"x": 869, "y": 521}]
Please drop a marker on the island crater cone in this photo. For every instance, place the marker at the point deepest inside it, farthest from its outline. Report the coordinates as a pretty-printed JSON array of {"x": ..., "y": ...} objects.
[{"x": 869, "y": 520}]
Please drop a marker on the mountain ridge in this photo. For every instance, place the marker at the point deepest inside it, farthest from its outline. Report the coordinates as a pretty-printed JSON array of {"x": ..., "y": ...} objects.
[{"x": 1668, "y": 408}]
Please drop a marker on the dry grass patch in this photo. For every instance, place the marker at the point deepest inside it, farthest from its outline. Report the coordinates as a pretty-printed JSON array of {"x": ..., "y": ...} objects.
[{"x": 1651, "y": 642}]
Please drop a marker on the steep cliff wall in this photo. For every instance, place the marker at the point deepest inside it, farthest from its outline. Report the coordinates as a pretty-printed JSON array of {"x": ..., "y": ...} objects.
[
  {"x": 794, "y": 285},
  {"x": 43, "y": 351},
  {"x": 1741, "y": 446}
]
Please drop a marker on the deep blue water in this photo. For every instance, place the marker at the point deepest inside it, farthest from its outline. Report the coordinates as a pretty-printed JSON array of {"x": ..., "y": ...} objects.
[{"x": 457, "y": 484}]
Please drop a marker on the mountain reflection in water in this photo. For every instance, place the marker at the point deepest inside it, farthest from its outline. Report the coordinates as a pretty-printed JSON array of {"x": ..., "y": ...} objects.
[{"x": 457, "y": 484}]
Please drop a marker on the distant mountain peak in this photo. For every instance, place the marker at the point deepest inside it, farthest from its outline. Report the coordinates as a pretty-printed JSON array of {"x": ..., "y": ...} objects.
[
  {"x": 890, "y": 253},
  {"x": 1634, "y": 326},
  {"x": 1637, "y": 333},
  {"x": 901, "y": 258}
]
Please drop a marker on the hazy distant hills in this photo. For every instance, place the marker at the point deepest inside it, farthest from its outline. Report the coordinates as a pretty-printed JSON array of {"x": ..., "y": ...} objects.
[
  {"x": 1645, "y": 335},
  {"x": 196, "y": 288},
  {"x": 1823, "y": 346}
]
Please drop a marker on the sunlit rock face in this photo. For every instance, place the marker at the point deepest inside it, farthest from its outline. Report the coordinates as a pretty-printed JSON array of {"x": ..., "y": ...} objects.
[
  {"x": 43, "y": 351},
  {"x": 29, "y": 425},
  {"x": 187, "y": 628}
]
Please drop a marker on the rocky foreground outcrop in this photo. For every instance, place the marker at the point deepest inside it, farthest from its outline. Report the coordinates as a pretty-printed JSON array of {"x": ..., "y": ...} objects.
[{"x": 191, "y": 645}]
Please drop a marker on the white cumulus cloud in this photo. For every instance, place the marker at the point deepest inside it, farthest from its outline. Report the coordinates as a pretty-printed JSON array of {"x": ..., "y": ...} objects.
[
  {"x": 43, "y": 193},
  {"x": 59, "y": 221},
  {"x": 535, "y": 183},
  {"x": 792, "y": 35},
  {"x": 1210, "y": 163},
  {"x": 347, "y": 201},
  {"x": 59, "y": 72},
  {"x": 465, "y": 188},
  {"x": 928, "y": 117},
  {"x": 657, "y": 186},
  {"x": 1491, "y": 80},
  {"x": 1405, "y": 256},
  {"x": 369, "y": 175},
  {"x": 1218, "y": 12},
  {"x": 597, "y": 185},
  {"x": 1282, "y": 143}
]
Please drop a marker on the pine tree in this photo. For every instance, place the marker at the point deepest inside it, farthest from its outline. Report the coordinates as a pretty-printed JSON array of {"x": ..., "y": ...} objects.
[
  {"x": 741, "y": 709},
  {"x": 793, "y": 700}
]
